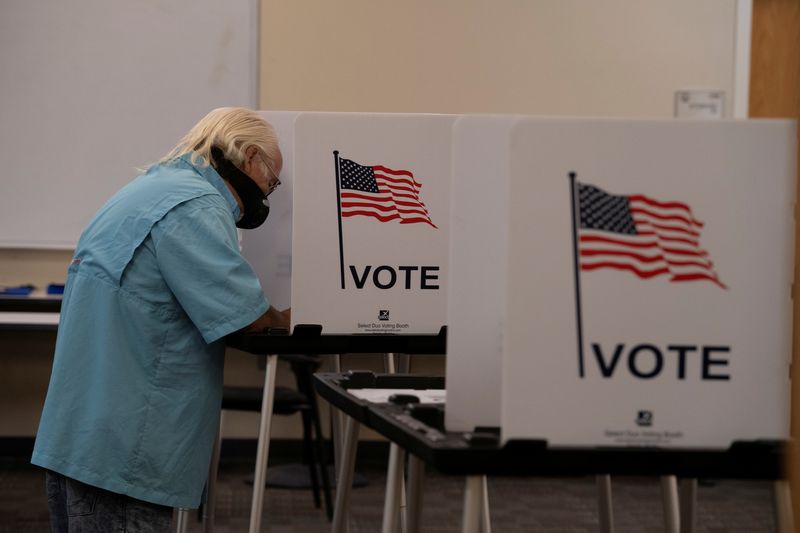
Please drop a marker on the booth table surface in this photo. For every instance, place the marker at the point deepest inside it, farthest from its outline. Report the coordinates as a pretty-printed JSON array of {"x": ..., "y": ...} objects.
[
  {"x": 42, "y": 313},
  {"x": 419, "y": 430},
  {"x": 310, "y": 340}
]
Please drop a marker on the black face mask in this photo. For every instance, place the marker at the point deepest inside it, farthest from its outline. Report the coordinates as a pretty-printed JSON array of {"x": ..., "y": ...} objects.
[{"x": 254, "y": 201}]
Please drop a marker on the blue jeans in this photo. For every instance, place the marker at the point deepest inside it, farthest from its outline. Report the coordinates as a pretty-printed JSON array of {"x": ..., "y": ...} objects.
[{"x": 79, "y": 508}]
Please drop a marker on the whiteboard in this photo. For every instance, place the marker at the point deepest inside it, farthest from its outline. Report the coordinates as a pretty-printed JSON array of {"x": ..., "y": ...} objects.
[{"x": 91, "y": 90}]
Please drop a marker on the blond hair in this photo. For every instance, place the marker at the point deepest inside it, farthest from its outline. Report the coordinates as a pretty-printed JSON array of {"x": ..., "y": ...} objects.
[{"x": 233, "y": 130}]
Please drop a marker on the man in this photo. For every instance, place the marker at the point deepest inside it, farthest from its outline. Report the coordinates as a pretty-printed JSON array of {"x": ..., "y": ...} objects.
[{"x": 156, "y": 283}]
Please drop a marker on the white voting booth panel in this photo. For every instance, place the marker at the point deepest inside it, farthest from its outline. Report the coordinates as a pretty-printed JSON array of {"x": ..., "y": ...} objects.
[
  {"x": 479, "y": 265},
  {"x": 268, "y": 248},
  {"x": 371, "y": 222},
  {"x": 663, "y": 317}
]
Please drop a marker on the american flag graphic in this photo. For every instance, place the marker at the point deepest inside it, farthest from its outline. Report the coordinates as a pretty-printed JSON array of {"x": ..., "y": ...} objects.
[
  {"x": 381, "y": 192},
  {"x": 646, "y": 237}
]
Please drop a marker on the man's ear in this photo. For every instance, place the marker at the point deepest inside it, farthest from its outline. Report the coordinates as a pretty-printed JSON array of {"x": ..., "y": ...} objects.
[
  {"x": 251, "y": 153},
  {"x": 250, "y": 158}
]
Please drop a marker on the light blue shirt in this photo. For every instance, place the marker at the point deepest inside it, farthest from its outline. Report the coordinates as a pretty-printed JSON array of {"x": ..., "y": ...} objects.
[{"x": 156, "y": 282}]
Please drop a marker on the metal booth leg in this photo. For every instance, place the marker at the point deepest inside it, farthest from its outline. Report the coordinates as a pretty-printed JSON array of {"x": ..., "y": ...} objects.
[
  {"x": 687, "y": 492},
  {"x": 344, "y": 479},
  {"x": 669, "y": 494},
  {"x": 209, "y": 509},
  {"x": 605, "y": 508},
  {"x": 783, "y": 507},
  {"x": 389, "y": 363},
  {"x": 402, "y": 363},
  {"x": 263, "y": 443},
  {"x": 395, "y": 496},
  {"x": 181, "y": 520},
  {"x": 416, "y": 478},
  {"x": 486, "y": 519},
  {"x": 471, "y": 517},
  {"x": 394, "y": 489},
  {"x": 337, "y": 422}
]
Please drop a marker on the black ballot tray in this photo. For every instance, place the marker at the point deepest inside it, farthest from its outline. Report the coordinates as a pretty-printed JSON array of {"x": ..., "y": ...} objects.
[
  {"x": 310, "y": 339},
  {"x": 419, "y": 429}
]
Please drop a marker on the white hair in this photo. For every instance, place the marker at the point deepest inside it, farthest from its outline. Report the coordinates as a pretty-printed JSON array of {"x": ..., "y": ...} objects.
[{"x": 231, "y": 129}]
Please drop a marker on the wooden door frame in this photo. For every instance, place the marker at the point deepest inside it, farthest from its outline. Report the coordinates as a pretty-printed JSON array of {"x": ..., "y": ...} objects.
[{"x": 775, "y": 93}]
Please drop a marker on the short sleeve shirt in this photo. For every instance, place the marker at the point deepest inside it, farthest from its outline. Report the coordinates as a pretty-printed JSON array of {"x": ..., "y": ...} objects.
[{"x": 156, "y": 282}]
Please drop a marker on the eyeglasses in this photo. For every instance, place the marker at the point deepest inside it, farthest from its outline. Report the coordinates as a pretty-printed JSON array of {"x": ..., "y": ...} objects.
[{"x": 277, "y": 181}]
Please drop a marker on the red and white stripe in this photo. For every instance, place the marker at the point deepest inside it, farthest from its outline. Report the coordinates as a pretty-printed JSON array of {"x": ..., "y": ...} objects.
[
  {"x": 398, "y": 198},
  {"x": 667, "y": 244}
]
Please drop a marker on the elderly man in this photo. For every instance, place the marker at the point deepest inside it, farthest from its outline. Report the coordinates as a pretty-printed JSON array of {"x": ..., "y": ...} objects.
[{"x": 156, "y": 283}]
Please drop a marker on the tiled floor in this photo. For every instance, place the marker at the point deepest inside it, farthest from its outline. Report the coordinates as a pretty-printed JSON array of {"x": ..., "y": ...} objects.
[{"x": 518, "y": 505}]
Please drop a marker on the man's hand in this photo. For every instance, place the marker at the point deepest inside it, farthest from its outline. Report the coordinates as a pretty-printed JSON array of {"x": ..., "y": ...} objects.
[
  {"x": 272, "y": 318},
  {"x": 287, "y": 316}
]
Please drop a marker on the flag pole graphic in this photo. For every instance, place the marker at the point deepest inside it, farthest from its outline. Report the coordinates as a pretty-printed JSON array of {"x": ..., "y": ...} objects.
[
  {"x": 339, "y": 211},
  {"x": 577, "y": 269}
]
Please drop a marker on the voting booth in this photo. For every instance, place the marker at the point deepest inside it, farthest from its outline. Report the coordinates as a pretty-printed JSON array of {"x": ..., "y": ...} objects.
[
  {"x": 601, "y": 279},
  {"x": 606, "y": 285},
  {"x": 365, "y": 205},
  {"x": 371, "y": 222},
  {"x": 365, "y": 201},
  {"x": 633, "y": 279}
]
